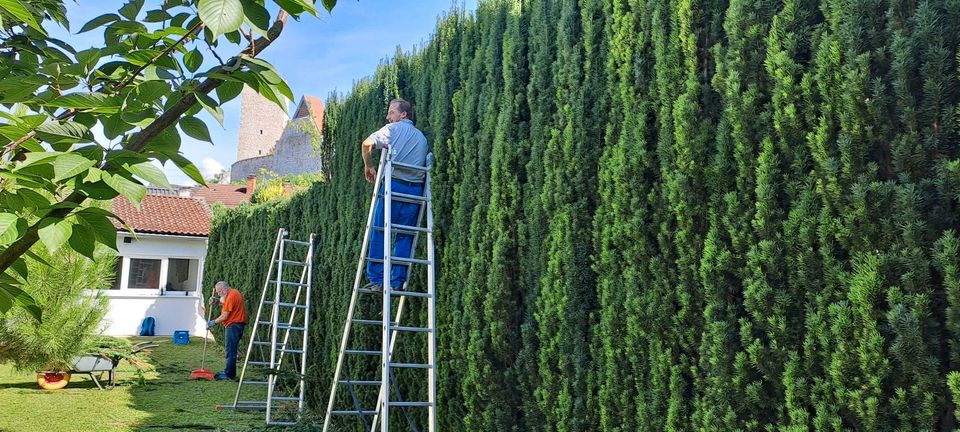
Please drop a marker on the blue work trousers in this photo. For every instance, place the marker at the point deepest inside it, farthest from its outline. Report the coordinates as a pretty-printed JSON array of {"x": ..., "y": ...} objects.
[
  {"x": 233, "y": 333},
  {"x": 403, "y": 213}
]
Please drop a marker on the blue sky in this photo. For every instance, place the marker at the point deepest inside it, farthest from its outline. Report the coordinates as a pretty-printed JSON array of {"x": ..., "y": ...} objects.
[{"x": 316, "y": 56}]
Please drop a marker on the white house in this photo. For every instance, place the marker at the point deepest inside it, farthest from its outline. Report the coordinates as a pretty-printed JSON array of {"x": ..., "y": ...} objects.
[{"x": 160, "y": 268}]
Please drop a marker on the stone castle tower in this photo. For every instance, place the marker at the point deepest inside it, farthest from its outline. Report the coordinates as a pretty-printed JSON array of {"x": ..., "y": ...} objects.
[
  {"x": 261, "y": 125},
  {"x": 271, "y": 143}
]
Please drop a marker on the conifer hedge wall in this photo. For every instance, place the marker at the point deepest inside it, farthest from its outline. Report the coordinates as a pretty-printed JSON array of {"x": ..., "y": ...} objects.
[{"x": 666, "y": 214}]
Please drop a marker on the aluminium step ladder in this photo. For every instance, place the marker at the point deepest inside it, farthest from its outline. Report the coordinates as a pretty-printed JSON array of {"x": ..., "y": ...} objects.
[
  {"x": 272, "y": 376},
  {"x": 378, "y": 408}
]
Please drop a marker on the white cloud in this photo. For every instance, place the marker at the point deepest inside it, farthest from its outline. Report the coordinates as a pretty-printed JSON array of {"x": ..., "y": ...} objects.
[{"x": 209, "y": 167}]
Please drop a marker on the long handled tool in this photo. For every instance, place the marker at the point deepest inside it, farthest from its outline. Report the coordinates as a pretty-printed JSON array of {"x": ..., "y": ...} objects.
[{"x": 204, "y": 374}]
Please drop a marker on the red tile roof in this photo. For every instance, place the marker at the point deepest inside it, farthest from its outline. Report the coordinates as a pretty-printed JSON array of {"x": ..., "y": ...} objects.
[
  {"x": 164, "y": 214},
  {"x": 227, "y": 194},
  {"x": 315, "y": 107}
]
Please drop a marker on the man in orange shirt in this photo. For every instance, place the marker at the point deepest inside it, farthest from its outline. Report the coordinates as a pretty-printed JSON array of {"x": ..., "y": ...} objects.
[{"x": 234, "y": 319}]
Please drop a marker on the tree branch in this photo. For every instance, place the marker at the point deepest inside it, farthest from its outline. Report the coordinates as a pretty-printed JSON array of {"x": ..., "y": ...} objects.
[{"x": 9, "y": 255}]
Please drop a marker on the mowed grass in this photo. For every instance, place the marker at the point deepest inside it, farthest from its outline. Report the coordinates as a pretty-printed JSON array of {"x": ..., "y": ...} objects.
[{"x": 160, "y": 399}]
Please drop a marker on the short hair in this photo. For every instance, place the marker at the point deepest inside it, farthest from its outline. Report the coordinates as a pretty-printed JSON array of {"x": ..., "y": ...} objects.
[
  {"x": 222, "y": 284},
  {"x": 403, "y": 106}
]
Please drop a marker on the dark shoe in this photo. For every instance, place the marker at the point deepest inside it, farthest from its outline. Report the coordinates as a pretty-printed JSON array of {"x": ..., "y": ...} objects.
[{"x": 221, "y": 376}]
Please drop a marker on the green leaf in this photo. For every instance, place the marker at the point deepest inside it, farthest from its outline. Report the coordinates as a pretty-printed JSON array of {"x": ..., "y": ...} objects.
[
  {"x": 229, "y": 90},
  {"x": 257, "y": 17},
  {"x": 151, "y": 92},
  {"x": 99, "y": 21},
  {"x": 195, "y": 128},
  {"x": 130, "y": 189},
  {"x": 8, "y": 222},
  {"x": 54, "y": 232},
  {"x": 157, "y": 16},
  {"x": 67, "y": 132},
  {"x": 149, "y": 172},
  {"x": 329, "y": 5},
  {"x": 19, "y": 10},
  {"x": 70, "y": 164},
  {"x": 83, "y": 240},
  {"x": 97, "y": 102},
  {"x": 131, "y": 9},
  {"x": 100, "y": 225},
  {"x": 37, "y": 258},
  {"x": 211, "y": 106},
  {"x": 32, "y": 198},
  {"x": 20, "y": 267},
  {"x": 167, "y": 142},
  {"x": 233, "y": 37},
  {"x": 99, "y": 190},
  {"x": 188, "y": 168},
  {"x": 34, "y": 158},
  {"x": 10, "y": 294},
  {"x": 192, "y": 60},
  {"x": 221, "y": 16},
  {"x": 114, "y": 126}
]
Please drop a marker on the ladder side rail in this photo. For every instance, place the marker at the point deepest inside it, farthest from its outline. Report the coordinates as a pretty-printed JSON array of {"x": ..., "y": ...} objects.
[
  {"x": 384, "y": 403},
  {"x": 353, "y": 297},
  {"x": 293, "y": 311},
  {"x": 393, "y": 336},
  {"x": 272, "y": 375},
  {"x": 263, "y": 296},
  {"x": 306, "y": 323},
  {"x": 431, "y": 312}
]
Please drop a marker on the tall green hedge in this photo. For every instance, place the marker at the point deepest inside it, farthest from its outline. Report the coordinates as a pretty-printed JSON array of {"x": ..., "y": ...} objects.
[{"x": 665, "y": 215}]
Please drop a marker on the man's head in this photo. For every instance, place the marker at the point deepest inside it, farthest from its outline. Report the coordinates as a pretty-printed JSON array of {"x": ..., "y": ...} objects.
[
  {"x": 399, "y": 109},
  {"x": 221, "y": 288}
]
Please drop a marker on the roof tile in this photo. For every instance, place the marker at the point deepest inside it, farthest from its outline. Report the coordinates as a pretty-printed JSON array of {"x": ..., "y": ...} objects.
[{"x": 164, "y": 214}]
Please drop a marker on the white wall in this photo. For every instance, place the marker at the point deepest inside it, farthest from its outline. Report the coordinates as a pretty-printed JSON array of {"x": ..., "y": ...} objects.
[
  {"x": 171, "y": 313},
  {"x": 172, "y": 310}
]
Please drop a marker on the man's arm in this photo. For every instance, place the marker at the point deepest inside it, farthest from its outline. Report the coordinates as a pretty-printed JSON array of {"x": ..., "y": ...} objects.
[
  {"x": 366, "y": 149},
  {"x": 223, "y": 317}
]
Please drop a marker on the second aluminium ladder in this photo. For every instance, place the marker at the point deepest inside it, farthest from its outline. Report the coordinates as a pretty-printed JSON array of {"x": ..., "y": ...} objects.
[
  {"x": 272, "y": 377},
  {"x": 377, "y": 417}
]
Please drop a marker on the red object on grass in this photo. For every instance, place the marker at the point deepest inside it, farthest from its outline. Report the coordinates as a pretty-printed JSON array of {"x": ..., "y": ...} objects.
[{"x": 201, "y": 374}]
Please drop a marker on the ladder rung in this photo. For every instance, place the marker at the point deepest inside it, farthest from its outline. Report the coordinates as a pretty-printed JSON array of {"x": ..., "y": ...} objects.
[
  {"x": 296, "y": 263},
  {"x": 405, "y": 228},
  {"x": 366, "y": 321},
  {"x": 284, "y": 304},
  {"x": 411, "y": 365},
  {"x": 401, "y": 261},
  {"x": 410, "y": 294},
  {"x": 263, "y": 343},
  {"x": 285, "y": 398},
  {"x": 402, "y": 197},
  {"x": 409, "y": 404},
  {"x": 255, "y": 382},
  {"x": 258, "y": 363},
  {"x": 411, "y": 329},
  {"x": 290, "y": 327},
  {"x": 352, "y": 412},
  {"x": 408, "y": 166},
  {"x": 349, "y": 382},
  {"x": 281, "y": 423},
  {"x": 410, "y": 260},
  {"x": 287, "y": 283},
  {"x": 292, "y": 351},
  {"x": 250, "y": 404},
  {"x": 364, "y": 352},
  {"x": 297, "y": 242}
]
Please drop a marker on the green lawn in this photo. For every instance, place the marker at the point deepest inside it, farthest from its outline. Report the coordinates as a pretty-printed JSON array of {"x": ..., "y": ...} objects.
[{"x": 163, "y": 400}]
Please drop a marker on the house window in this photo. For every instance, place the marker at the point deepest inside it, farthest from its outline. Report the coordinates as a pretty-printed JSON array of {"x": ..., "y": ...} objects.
[
  {"x": 117, "y": 274},
  {"x": 144, "y": 273},
  {"x": 182, "y": 274}
]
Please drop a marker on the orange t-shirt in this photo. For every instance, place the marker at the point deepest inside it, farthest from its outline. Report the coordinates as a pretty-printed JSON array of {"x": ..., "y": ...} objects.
[{"x": 234, "y": 304}]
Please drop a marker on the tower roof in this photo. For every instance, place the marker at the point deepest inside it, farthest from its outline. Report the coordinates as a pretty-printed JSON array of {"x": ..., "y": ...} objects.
[{"x": 310, "y": 106}]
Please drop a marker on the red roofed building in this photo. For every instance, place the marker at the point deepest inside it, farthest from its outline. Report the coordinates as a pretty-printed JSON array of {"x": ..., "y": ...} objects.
[
  {"x": 228, "y": 195},
  {"x": 160, "y": 266}
]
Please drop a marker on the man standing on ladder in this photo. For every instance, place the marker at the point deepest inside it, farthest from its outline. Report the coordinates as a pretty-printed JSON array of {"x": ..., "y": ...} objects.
[{"x": 408, "y": 146}]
